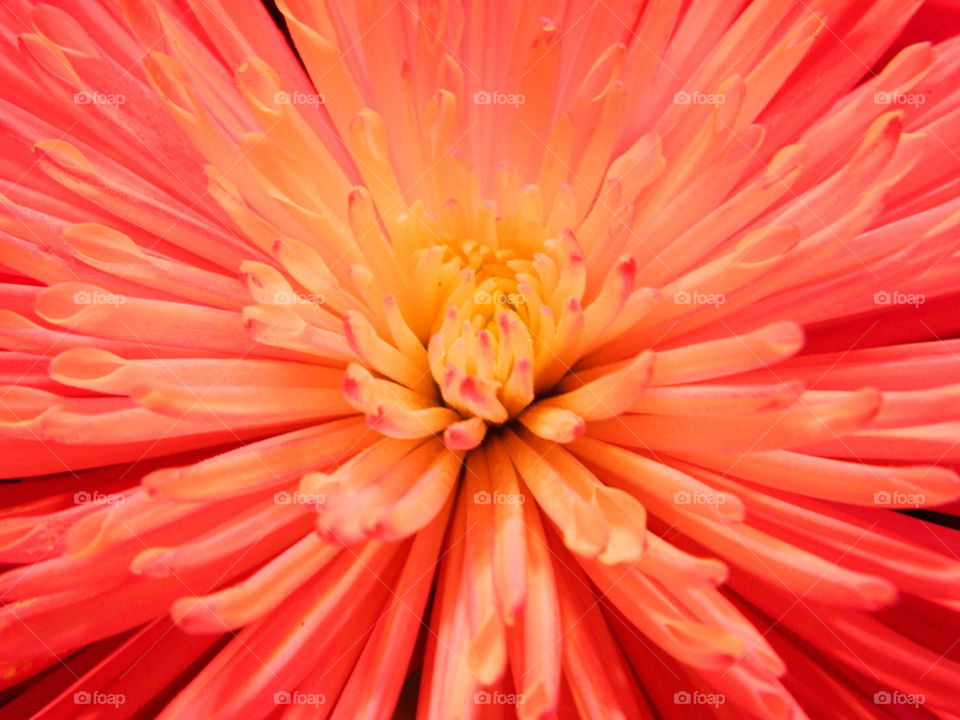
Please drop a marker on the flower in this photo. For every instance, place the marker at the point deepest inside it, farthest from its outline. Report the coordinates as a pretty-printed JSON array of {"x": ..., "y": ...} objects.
[{"x": 502, "y": 360}]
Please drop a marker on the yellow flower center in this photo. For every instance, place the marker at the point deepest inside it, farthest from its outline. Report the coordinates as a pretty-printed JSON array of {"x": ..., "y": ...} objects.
[{"x": 486, "y": 309}]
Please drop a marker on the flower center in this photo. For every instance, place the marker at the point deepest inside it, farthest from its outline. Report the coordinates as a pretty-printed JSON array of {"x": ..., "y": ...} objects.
[
  {"x": 489, "y": 320},
  {"x": 495, "y": 347}
]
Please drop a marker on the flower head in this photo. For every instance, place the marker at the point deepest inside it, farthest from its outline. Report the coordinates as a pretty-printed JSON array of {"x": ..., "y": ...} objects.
[{"x": 522, "y": 359}]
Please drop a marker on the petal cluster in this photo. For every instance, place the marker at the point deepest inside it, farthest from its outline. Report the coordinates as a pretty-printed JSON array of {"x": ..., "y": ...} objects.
[{"x": 548, "y": 359}]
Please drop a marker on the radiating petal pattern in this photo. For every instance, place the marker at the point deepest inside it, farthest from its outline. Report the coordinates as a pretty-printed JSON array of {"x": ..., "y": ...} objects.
[{"x": 474, "y": 360}]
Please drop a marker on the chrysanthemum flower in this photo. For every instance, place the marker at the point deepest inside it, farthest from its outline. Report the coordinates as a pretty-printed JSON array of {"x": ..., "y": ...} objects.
[{"x": 489, "y": 359}]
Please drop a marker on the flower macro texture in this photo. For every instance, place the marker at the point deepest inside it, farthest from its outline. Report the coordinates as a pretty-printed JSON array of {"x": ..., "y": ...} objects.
[{"x": 467, "y": 360}]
